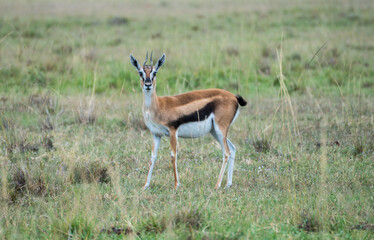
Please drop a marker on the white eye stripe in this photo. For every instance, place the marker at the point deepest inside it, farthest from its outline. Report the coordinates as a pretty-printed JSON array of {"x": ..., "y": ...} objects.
[{"x": 142, "y": 73}]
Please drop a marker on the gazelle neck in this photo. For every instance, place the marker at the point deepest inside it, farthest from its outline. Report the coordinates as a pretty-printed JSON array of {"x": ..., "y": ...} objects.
[{"x": 149, "y": 98}]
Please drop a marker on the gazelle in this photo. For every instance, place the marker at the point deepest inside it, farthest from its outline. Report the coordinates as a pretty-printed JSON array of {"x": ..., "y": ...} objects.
[{"x": 188, "y": 115}]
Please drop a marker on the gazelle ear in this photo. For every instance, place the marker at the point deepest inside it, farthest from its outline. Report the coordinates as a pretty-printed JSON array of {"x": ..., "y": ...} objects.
[
  {"x": 134, "y": 62},
  {"x": 160, "y": 62}
]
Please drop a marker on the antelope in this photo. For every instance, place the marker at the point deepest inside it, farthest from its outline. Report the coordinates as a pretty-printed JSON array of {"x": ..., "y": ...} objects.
[{"x": 188, "y": 115}]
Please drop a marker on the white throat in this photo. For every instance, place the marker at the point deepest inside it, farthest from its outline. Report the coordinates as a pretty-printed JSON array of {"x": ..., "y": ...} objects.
[{"x": 147, "y": 98}]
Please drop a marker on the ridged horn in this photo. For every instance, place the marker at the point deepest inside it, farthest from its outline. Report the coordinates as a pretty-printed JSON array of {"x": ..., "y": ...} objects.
[
  {"x": 146, "y": 58},
  {"x": 151, "y": 58}
]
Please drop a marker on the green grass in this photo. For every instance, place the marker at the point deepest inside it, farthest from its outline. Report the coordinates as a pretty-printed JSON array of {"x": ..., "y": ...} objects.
[{"x": 75, "y": 151}]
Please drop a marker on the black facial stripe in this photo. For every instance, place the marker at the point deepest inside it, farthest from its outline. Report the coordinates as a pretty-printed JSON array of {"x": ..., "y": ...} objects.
[
  {"x": 199, "y": 115},
  {"x": 141, "y": 74}
]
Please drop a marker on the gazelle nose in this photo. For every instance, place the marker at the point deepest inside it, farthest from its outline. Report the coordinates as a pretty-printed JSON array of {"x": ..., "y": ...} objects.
[{"x": 148, "y": 82}]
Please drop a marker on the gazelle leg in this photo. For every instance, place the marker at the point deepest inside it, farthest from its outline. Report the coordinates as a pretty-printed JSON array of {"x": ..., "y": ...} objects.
[
  {"x": 173, "y": 144},
  {"x": 224, "y": 163},
  {"x": 231, "y": 163},
  {"x": 156, "y": 144},
  {"x": 225, "y": 152}
]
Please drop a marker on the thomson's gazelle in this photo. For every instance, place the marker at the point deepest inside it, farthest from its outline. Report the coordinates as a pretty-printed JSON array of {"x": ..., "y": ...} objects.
[{"x": 187, "y": 115}]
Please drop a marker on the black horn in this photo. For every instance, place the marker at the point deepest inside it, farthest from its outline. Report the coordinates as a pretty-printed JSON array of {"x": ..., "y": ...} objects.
[
  {"x": 146, "y": 58},
  {"x": 151, "y": 58}
]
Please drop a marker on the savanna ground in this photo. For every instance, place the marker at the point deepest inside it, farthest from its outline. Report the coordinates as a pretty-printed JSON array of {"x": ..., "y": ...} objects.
[{"x": 75, "y": 151}]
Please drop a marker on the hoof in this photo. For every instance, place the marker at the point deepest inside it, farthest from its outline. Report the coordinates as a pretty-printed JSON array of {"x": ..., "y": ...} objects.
[
  {"x": 145, "y": 187},
  {"x": 228, "y": 186}
]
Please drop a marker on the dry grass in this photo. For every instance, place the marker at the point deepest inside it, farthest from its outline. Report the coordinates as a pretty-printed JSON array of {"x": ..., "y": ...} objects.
[{"x": 104, "y": 165}]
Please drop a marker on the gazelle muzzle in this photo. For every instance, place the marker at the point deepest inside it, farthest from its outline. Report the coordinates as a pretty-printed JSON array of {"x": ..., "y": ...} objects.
[{"x": 148, "y": 83}]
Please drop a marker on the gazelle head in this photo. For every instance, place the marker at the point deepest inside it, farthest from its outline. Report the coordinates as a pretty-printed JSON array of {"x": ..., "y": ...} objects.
[{"x": 147, "y": 72}]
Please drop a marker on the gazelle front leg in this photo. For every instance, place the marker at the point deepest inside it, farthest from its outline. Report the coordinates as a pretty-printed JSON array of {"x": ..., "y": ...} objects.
[
  {"x": 173, "y": 144},
  {"x": 156, "y": 144}
]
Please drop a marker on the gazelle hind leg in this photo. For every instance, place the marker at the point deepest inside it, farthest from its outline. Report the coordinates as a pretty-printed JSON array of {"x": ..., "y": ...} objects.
[
  {"x": 217, "y": 134},
  {"x": 231, "y": 163}
]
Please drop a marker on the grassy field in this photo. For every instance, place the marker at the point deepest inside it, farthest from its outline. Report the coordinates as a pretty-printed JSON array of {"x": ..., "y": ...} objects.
[{"x": 75, "y": 151}]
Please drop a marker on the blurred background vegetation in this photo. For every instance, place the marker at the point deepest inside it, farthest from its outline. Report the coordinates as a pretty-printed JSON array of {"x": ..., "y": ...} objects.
[{"x": 223, "y": 44}]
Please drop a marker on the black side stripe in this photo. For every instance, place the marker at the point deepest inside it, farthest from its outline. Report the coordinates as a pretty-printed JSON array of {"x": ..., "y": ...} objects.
[{"x": 199, "y": 115}]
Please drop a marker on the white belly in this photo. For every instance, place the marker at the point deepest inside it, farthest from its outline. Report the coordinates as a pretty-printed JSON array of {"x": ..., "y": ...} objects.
[{"x": 196, "y": 129}]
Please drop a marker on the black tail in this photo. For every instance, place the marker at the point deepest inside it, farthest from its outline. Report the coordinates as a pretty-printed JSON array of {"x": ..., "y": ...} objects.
[{"x": 241, "y": 100}]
